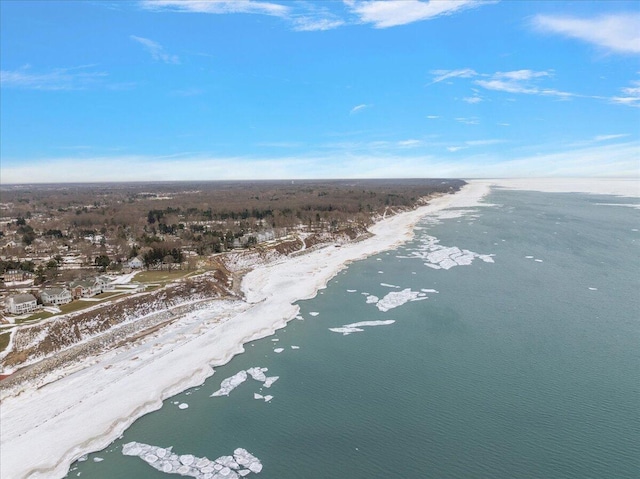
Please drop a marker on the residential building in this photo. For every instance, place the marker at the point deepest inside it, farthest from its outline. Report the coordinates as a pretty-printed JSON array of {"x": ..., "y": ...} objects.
[
  {"x": 55, "y": 296},
  {"x": 21, "y": 303}
]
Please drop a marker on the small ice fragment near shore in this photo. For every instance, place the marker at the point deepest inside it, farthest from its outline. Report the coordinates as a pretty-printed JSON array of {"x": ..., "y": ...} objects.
[
  {"x": 529, "y": 257},
  {"x": 372, "y": 299},
  {"x": 386, "y": 285},
  {"x": 429, "y": 290},
  {"x": 299, "y": 317},
  {"x": 352, "y": 290},
  {"x": 98, "y": 459},
  {"x": 538, "y": 260},
  {"x": 184, "y": 405},
  {"x": 314, "y": 313},
  {"x": 380, "y": 272},
  {"x": 275, "y": 340},
  {"x": 257, "y": 396},
  {"x": 270, "y": 380},
  {"x": 230, "y": 384},
  {"x": 268, "y": 398},
  {"x": 278, "y": 350},
  {"x": 593, "y": 289},
  {"x": 295, "y": 347},
  {"x": 83, "y": 458}
]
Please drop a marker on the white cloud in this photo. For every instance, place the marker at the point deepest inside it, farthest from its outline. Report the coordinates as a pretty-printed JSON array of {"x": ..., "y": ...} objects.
[
  {"x": 521, "y": 81},
  {"x": 468, "y": 121},
  {"x": 433, "y": 117},
  {"x": 384, "y": 14},
  {"x": 472, "y": 99},
  {"x": 610, "y": 137},
  {"x": 441, "y": 75},
  {"x": 310, "y": 24},
  {"x": 358, "y": 108},
  {"x": 631, "y": 95},
  {"x": 156, "y": 50},
  {"x": 453, "y": 149},
  {"x": 618, "y": 32},
  {"x": 217, "y": 6},
  {"x": 75, "y": 78},
  {"x": 610, "y": 160},
  {"x": 409, "y": 143}
]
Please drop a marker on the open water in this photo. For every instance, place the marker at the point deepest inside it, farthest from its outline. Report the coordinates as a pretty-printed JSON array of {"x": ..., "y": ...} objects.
[{"x": 524, "y": 367}]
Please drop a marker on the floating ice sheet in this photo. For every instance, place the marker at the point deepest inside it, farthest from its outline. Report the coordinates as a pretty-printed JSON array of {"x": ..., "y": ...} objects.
[
  {"x": 241, "y": 464},
  {"x": 357, "y": 327},
  {"x": 230, "y": 384},
  {"x": 397, "y": 298},
  {"x": 437, "y": 256}
]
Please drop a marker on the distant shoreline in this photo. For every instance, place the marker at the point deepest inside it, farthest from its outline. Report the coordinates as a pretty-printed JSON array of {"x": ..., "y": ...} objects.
[{"x": 45, "y": 430}]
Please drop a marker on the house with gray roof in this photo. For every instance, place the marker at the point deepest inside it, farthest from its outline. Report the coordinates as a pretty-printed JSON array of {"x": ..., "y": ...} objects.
[
  {"x": 55, "y": 296},
  {"x": 21, "y": 303}
]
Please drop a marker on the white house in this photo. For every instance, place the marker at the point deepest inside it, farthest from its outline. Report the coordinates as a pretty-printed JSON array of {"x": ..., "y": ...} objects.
[
  {"x": 55, "y": 296},
  {"x": 21, "y": 303},
  {"x": 136, "y": 263}
]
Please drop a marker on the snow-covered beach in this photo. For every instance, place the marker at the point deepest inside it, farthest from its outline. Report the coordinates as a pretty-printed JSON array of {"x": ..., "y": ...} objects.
[{"x": 44, "y": 430}]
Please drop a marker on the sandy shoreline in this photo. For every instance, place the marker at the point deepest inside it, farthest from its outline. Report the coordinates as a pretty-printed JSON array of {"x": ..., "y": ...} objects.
[{"x": 44, "y": 430}]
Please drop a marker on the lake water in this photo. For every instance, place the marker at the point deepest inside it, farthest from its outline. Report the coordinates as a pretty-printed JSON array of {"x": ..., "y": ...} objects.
[{"x": 524, "y": 367}]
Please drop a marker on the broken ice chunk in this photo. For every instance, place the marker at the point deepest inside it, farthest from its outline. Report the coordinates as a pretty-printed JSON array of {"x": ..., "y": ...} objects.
[{"x": 230, "y": 384}]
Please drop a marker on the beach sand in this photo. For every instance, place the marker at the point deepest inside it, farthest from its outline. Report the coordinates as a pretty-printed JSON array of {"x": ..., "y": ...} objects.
[{"x": 45, "y": 430}]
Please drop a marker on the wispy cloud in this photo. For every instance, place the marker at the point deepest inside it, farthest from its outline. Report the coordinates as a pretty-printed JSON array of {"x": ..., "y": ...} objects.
[
  {"x": 619, "y": 33},
  {"x": 630, "y": 95},
  {"x": 521, "y": 81},
  {"x": 441, "y": 75},
  {"x": 433, "y": 117},
  {"x": 156, "y": 50},
  {"x": 384, "y": 14},
  {"x": 515, "y": 81},
  {"x": 217, "y": 6},
  {"x": 74, "y": 78},
  {"x": 610, "y": 137},
  {"x": 468, "y": 121},
  {"x": 358, "y": 108}
]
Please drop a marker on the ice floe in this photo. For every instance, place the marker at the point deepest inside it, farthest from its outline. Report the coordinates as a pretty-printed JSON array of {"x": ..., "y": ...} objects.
[
  {"x": 593, "y": 289},
  {"x": 437, "y": 256},
  {"x": 295, "y": 347},
  {"x": 387, "y": 285},
  {"x": 352, "y": 290},
  {"x": 278, "y": 350},
  {"x": 230, "y": 384},
  {"x": 357, "y": 327},
  {"x": 314, "y": 313},
  {"x": 241, "y": 464},
  {"x": 257, "y": 373},
  {"x": 270, "y": 380},
  {"x": 398, "y": 298},
  {"x": 372, "y": 299},
  {"x": 184, "y": 405}
]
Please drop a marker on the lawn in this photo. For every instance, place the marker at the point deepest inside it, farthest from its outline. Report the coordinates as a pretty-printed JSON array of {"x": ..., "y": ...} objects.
[
  {"x": 4, "y": 341},
  {"x": 161, "y": 276}
]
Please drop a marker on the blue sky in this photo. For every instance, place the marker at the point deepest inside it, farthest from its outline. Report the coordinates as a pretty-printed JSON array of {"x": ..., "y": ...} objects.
[{"x": 206, "y": 90}]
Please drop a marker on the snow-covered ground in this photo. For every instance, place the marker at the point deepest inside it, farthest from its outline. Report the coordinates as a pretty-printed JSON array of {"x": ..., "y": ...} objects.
[{"x": 44, "y": 430}]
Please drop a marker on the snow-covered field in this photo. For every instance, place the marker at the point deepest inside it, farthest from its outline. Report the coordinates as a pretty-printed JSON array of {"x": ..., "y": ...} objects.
[{"x": 44, "y": 430}]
